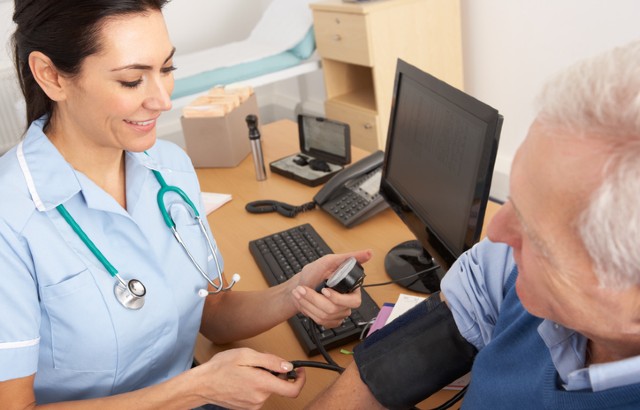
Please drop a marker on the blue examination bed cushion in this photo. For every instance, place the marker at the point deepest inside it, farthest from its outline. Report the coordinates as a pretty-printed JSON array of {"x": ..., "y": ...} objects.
[
  {"x": 240, "y": 72},
  {"x": 282, "y": 38}
]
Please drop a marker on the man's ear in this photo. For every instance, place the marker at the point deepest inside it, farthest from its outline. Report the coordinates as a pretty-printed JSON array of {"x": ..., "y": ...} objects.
[{"x": 47, "y": 76}]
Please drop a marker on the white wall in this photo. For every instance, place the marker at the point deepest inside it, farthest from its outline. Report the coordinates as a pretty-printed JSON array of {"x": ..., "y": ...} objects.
[
  {"x": 198, "y": 24},
  {"x": 512, "y": 47},
  {"x": 6, "y": 29}
]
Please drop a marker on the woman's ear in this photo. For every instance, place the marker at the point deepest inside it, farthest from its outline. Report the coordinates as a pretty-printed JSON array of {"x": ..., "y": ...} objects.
[{"x": 47, "y": 76}]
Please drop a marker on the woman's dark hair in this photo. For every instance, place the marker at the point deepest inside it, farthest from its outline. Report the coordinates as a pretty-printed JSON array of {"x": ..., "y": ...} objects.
[{"x": 66, "y": 31}]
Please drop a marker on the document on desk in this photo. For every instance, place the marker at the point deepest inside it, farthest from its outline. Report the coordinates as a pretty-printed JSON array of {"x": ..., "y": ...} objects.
[
  {"x": 390, "y": 311},
  {"x": 404, "y": 303},
  {"x": 382, "y": 317},
  {"x": 213, "y": 200}
]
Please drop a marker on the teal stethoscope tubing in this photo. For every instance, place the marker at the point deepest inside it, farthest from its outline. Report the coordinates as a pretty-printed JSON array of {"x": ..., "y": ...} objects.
[
  {"x": 87, "y": 241},
  {"x": 164, "y": 188}
]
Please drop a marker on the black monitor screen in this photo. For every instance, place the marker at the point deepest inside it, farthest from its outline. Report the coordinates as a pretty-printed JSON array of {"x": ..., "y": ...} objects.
[{"x": 439, "y": 158}]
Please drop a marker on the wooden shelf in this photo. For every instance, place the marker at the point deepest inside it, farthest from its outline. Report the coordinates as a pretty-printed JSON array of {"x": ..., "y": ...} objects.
[
  {"x": 359, "y": 99},
  {"x": 360, "y": 43}
]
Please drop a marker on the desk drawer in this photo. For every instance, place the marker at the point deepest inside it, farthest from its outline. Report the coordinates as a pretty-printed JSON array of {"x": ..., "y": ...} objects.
[
  {"x": 363, "y": 125},
  {"x": 342, "y": 37}
]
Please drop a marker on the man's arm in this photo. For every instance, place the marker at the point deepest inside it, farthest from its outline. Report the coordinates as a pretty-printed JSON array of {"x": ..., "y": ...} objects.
[
  {"x": 347, "y": 392},
  {"x": 474, "y": 289},
  {"x": 407, "y": 360}
]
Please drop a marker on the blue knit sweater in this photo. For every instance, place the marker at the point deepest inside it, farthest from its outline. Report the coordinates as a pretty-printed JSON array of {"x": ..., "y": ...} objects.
[{"x": 515, "y": 370}]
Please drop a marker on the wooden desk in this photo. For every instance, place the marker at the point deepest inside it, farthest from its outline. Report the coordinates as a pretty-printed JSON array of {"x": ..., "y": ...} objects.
[{"x": 233, "y": 228}]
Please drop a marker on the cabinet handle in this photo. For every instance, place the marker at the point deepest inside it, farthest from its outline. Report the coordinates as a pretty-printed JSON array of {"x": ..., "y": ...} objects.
[
  {"x": 368, "y": 126},
  {"x": 337, "y": 37}
]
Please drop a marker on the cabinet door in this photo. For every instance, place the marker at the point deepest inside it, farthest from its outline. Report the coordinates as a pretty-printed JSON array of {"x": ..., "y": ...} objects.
[
  {"x": 343, "y": 37},
  {"x": 363, "y": 124}
]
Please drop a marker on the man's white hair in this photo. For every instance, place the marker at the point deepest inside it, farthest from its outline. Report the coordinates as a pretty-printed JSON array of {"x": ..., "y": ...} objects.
[{"x": 600, "y": 98}]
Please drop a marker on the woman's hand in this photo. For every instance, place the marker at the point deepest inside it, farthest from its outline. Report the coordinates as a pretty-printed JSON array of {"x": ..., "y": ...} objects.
[
  {"x": 328, "y": 308},
  {"x": 239, "y": 378}
]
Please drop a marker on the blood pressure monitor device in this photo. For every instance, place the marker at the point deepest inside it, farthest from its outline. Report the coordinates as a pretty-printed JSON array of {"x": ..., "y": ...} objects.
[{"x": 347, "y": 278}]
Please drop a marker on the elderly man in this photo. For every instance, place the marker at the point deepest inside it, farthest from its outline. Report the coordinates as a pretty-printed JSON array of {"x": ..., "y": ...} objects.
[{"x": 551, "y": 302}]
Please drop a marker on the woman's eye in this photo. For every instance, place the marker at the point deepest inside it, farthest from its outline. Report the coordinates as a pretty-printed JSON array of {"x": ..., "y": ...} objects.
[
  {"x": 167, "y": 70},
  {"x": 131, "y": 84}
]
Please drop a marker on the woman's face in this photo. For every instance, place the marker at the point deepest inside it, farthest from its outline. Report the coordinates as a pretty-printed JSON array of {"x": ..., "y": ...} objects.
[{"x": 121, "y": 91}]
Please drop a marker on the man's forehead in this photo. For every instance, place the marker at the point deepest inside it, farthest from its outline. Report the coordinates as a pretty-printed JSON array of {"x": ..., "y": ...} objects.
[
  {"x": 553, "y": 176},
  {"x": 564, "y": 162}
]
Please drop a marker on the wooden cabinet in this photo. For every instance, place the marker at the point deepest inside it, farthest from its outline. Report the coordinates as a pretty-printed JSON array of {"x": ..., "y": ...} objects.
[{"x": 359, "y": 44}]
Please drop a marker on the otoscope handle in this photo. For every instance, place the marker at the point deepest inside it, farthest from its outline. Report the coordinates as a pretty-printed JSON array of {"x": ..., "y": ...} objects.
[{"x": 256, "y": 147}]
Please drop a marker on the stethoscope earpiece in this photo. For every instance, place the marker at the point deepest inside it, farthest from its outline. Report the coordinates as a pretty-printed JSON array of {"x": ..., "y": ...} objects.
[{"x": 203, "y": 293}]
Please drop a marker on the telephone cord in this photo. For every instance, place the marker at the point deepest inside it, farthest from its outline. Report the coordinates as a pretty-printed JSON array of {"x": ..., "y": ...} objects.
[{"x": 267, "y": 205}]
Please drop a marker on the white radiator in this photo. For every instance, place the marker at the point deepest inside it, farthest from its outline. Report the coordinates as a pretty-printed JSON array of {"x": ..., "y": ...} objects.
[{"x": 12, "y": 110}]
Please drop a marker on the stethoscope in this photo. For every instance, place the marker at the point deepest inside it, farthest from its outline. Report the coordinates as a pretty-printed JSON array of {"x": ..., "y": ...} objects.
[{"x": 131, "y": 293}]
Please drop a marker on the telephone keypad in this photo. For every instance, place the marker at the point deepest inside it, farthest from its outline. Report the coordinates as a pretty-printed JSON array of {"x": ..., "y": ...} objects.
[{"x": 348, "y": 205}]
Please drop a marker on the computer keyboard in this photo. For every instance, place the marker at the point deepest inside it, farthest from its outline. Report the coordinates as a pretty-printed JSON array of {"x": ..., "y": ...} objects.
[{"x": 280, "y": 256}]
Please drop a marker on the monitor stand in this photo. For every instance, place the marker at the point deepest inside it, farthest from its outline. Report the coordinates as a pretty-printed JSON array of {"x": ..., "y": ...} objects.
[{"x": 409, "y": 258}]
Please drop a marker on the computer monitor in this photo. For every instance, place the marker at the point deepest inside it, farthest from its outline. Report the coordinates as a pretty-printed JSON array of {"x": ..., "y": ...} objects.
[{"x": 438, "y": 163}]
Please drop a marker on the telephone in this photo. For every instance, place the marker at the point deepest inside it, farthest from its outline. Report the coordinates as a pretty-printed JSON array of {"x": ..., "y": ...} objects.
[{"x": 352, "y": 195}]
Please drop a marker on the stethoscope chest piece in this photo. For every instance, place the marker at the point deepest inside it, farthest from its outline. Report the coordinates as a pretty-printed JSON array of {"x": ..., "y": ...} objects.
[{"x": 130, "y": 295}]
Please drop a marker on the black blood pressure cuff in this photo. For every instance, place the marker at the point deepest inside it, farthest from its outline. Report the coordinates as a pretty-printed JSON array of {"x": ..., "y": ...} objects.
[{"x": 414, "y": 356}]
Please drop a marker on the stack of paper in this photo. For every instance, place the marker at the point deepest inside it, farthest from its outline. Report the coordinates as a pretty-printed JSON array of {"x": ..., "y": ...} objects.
[{"x": 213, "y": 201}]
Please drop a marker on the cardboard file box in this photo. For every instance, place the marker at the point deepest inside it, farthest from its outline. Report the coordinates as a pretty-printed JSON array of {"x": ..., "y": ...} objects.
[{"x": 219, "y": 141}]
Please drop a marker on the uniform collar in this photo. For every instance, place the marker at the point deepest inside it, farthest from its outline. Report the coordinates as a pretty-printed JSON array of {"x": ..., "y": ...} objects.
[
  {"x": 137, "y": 166},
  {"x": 53, "y": 181}
]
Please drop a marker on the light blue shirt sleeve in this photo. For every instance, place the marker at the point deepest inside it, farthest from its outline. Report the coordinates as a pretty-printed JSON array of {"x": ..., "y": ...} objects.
[
  {"x": 474, "y": 288},
  {"x": 19, "y": 332}
]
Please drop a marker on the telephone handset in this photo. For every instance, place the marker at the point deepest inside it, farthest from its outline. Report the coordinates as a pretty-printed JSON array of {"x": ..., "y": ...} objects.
[{"x": 352, "y": 195}]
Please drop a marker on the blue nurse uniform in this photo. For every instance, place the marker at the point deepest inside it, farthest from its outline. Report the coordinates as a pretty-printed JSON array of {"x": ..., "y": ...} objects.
[{"x": 60, "y": 318}]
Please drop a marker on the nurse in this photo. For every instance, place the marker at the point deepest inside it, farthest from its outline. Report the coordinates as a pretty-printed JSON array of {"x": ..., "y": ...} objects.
[{"x": 96, "y": 74}]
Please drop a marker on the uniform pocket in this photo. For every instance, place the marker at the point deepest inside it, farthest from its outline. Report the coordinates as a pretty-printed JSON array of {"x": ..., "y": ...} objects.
[
  {"x": 195, "y": 240},
  {"x": 189, "y": 229},
  {"x": 82, "y": 335}
]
